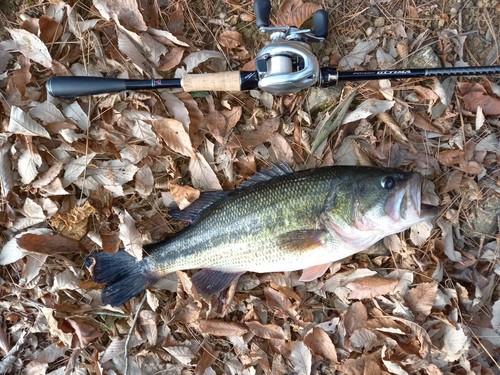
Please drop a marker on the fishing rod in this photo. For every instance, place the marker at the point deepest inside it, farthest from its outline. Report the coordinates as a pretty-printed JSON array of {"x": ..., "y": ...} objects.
[{"x": 286, "y": 65}]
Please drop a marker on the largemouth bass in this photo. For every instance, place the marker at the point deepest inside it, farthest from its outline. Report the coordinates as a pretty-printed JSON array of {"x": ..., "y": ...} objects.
[{"x": 277, "y": 221}]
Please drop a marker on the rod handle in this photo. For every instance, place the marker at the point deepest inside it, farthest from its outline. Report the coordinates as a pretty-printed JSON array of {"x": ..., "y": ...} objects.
[
  {"x": 225, "y": 81},
  {"x": 67, "y": 87},
  {"x": 262, "y": 10}
]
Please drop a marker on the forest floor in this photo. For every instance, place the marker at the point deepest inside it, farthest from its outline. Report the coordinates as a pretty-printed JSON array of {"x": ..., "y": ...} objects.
[{"x": 98, "y": 173}]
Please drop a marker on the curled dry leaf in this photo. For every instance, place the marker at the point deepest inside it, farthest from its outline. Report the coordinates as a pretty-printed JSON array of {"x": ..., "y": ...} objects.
[{"x": 73, "y": 224}]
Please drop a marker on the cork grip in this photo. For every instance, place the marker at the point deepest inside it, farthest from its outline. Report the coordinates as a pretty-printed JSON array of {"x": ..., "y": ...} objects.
[{"x": 227, "y": 81}]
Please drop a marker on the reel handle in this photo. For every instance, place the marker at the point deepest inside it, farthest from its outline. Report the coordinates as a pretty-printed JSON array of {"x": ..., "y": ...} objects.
[
  {"x": 262, "y": 10},
  {"x": 320, "y": 23}
]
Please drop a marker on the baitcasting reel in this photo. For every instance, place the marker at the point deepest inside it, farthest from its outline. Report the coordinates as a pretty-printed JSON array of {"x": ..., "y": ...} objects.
[{"x": 287, "y": 64}]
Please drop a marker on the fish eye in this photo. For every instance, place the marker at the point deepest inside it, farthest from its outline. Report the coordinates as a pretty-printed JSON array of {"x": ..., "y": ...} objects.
[{"x": 388, "y": 182}]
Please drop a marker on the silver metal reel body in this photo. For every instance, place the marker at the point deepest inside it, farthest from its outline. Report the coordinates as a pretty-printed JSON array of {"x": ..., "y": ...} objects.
[{"x": 287, "y": 64}]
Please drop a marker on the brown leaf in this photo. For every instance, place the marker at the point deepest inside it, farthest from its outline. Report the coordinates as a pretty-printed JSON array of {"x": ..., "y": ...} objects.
[
  {"x": 230, "y": 39},
  {"x": 20, "y": 78},
  {"x": 489, "y": 104},
  {"x": 85, "y": 332},
  {"x": 252, "y": 138},
  {"x": 49, "y": 244},
  {"x": 295, "y": 13},
  {"x": 73, "y": 224},
  {"x": 371, "y": 286},
  {"x": 421, "y": 299},
  {"x": 266, "y": 331},
  {"x": 424, "y": 124},
  {"x": 451, "y": 157},
  {"x": 320, "y": 344},
  {"x": 208, "y": 357},
  {"x": 278, "y": 301},
  {"x": 183, "y": 195},
  {"x": 355, "y": 317},
  {"x": 50, "y": 29},
  {"x": 218, "y": 327},
  {"x": 174, "y": 135},
  {"x": 281, "y": 148},
  {"x": 171, "y": 59}
]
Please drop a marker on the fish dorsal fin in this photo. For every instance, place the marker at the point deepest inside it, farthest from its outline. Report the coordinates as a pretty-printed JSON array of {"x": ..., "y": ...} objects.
[
  {"x": 279, "y": 169},
  {"x": 193, "y": 211}
]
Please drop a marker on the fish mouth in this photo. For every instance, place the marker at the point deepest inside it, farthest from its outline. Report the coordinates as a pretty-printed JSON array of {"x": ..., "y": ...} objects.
[{"x": 406, "y": 202}]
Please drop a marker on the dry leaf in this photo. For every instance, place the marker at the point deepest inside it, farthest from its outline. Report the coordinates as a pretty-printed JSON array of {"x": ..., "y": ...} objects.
[
  {"x": 130, "y": 236},
  {"x": 183, "y": 195},
  {"x": 48, "y": 243},
  {"x": 230, "y": 39},
  {"x": 301, "y": 359},
  {"x": 295, "y": 13},
  {"x": 202, "y": 175},
  {"x": 73, "y": 224},
  {"x": 76, "y": 167},
  {"x": 21, "y": 123},
  {"x": 368, "y": 108},
  {"x": 320, "y": 344},
  {"x": 221, "y": 328},
  {"x": 421, "y": 299},
  {"x": 126, "y": 11},
  {"x": 175, "y": 136},
  {"x": 266, "y": 331},
  {"x": 357, "y": 56},
  {"x": 371, "y": 286},
  {"x": 31, "y": 47},
  {"x": 172, "y": 59},
  {"x": 252, "y": 138},
  {"x": 28, "y": 164}
]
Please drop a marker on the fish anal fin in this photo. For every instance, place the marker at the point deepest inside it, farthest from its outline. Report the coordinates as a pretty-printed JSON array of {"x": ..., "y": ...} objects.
[
  {"x": 314, "y": 272},
  {"x": 209, "y": 282},
  {"x": 302, "y": 240}
]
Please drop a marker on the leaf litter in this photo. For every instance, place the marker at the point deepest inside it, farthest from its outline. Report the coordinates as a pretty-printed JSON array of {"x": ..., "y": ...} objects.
[{"x": 86, "y": 174}]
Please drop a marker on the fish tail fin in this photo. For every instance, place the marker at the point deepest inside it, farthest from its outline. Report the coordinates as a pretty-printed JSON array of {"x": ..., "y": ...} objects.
[{"x": 124, "y": 275}]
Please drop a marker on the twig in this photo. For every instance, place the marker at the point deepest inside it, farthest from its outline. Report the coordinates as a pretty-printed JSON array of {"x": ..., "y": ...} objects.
[{"x": 127, "y": 341}]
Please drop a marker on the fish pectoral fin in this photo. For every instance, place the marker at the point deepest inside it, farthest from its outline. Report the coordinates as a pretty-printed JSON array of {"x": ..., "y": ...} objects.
[
  {"x": 209, "y": 282},
  {"x": 314, "y": 272},
  {"x": 302, "y": 240}
]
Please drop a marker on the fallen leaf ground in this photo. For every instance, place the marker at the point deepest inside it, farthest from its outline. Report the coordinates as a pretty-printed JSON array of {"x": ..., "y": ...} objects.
[{"x": 92, "y": 173}]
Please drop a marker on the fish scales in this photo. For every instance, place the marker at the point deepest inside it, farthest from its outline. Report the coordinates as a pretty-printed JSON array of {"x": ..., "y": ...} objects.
[
  {"x": 249, "y": 221},
  {"x": 278, "y": 221}
]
